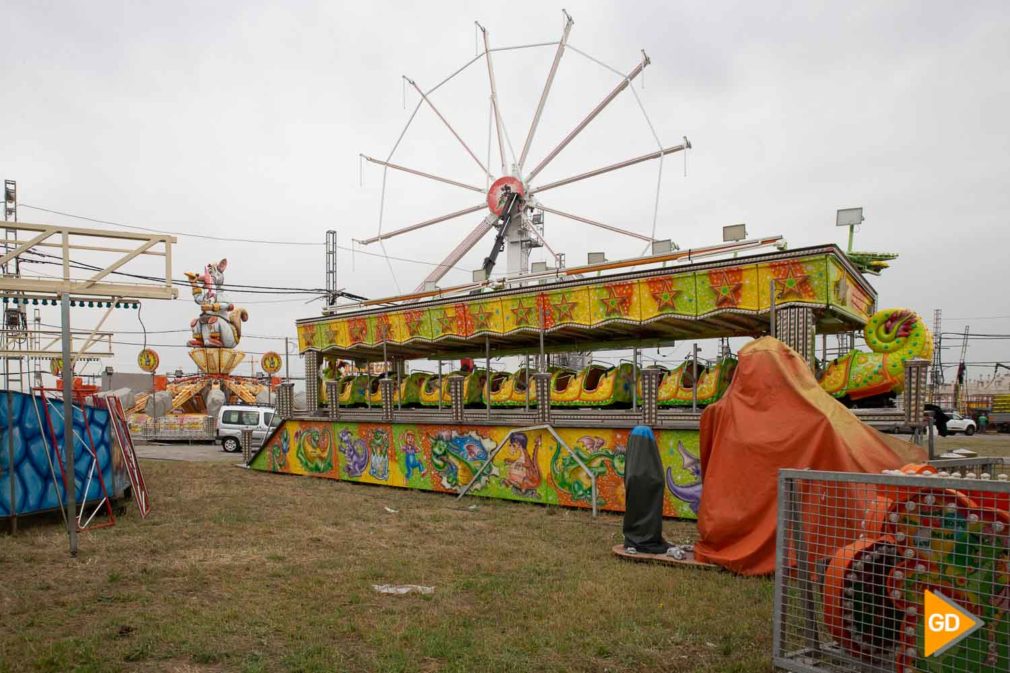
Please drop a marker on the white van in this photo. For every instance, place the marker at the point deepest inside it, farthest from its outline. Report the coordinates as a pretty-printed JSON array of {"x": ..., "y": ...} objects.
[{"x": 232, "y": 420}]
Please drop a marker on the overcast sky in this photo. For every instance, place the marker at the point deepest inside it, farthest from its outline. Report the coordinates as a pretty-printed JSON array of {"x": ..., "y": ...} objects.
[{"x": 245, "y": 119}]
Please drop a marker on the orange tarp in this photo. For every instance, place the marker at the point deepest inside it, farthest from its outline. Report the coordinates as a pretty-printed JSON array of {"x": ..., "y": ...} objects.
[{"x": 775, "y": 415}]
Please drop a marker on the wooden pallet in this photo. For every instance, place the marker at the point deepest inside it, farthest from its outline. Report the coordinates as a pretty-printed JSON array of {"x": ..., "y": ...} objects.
[{"x": 690, "y": 561}]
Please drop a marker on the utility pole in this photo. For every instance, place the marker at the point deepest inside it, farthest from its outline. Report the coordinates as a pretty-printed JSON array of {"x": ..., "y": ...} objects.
[
  {"x": 936, "y": 372},
  {"x": 69, "y": 486},
  {"x": 331, "y": 268}
]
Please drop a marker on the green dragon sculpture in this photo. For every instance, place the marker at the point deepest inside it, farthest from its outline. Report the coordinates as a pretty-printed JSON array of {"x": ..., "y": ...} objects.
[{"x": 894, "y": 336}]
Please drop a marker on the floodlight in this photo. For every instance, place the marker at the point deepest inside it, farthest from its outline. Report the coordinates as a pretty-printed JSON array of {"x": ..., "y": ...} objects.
[
  {"x": 734, "y": 232},
  {"x": 662, "y": 247},
  {"x": 537, "y": 218},
  {"x": 430, "y": 286},
  {"x": 849, "y": 217},
  {"x": 479, "y": 275},
  {"x": 538, "y": 267},
  {"x": 597, "y": 258}
]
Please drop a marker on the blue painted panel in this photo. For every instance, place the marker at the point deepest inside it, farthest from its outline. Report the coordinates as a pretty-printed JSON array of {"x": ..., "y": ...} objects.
[{"x": 34, "y": 457}]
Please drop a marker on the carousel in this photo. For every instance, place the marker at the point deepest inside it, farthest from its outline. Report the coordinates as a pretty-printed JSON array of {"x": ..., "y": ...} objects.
[{"x": 187, "y": 406}]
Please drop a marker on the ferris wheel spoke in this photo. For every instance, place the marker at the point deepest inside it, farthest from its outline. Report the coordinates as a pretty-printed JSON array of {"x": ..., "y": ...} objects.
[
  {"x": 421, "y": 225},
  {"x": 547, "y": 87},
  {"x": 445, "y": 121},
  {"x": 591, "y": 116},
  {"x": 472, "y": 239},
  {"x": 494, "y": 98},
  {"x": 613, "y": 167},
  {"x": 421, "y": 173},
  {"x": 601, "y": 225}
]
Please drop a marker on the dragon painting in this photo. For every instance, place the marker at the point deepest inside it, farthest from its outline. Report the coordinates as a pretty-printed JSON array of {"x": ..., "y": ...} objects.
[
  {"x": 355, "y": 452},
  {"x": 569, "y": 476},
  {"x": 689, "y": 492},
  {"x": 457, "y": 458},
  {"x": 313, "y": 450}
]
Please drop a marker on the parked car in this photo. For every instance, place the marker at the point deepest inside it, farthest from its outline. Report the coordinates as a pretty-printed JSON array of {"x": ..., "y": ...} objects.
[
  {"x": 959, "y": 423},
  {"x": 232, "y": 420}
]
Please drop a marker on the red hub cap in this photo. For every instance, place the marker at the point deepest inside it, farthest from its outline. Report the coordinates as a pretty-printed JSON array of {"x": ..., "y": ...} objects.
[{"x": 501, "y": 190}]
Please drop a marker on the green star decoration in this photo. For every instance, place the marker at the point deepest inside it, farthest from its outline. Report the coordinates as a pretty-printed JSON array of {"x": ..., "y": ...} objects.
[
  {"x": 525, "y": 314},
  {"x": 563, "y": 308}
]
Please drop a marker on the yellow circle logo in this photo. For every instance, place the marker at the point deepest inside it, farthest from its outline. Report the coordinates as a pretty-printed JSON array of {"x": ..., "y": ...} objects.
[
  {"x": 147, "y": 360},
  {"x": 271, "y": 362}
]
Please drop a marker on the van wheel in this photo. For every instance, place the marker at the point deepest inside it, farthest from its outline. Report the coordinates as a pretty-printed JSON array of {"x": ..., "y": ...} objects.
[
  {"x": 969, "y": 431},
  {"x": 231, "y": 445}
]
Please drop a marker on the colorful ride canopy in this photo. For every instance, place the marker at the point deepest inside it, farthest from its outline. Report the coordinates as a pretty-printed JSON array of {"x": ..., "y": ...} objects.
[{"x": 725, "y": 298}]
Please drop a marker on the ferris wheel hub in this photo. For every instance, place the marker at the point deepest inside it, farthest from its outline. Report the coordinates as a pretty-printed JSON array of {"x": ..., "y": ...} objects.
[{"x": 500, "y": 191}]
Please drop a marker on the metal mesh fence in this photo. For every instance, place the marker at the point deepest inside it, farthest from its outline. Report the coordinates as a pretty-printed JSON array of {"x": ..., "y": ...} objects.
[{"x": 871, "y": 566}]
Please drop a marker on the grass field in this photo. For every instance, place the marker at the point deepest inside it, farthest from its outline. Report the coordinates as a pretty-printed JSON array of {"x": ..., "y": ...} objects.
[{"x": 241, "y": 571}]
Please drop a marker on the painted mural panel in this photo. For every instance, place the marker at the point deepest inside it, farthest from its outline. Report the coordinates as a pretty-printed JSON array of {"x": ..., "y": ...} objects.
[
  {"x": 530, "y": 466},
  {"x": 34, "y": 490}
]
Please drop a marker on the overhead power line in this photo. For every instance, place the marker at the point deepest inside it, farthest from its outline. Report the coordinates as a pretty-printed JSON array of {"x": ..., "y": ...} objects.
[{"x": 229, "y": 239}]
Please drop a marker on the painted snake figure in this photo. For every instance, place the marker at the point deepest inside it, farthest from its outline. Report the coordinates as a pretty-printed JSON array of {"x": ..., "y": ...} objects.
[
  {"x": 895, "y": 336},
  {"x": 313, "y": 450},
  {"x": 569, "y": 476}
]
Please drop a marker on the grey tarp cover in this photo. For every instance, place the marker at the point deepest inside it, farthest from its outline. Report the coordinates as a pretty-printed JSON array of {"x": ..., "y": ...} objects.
[{"x": 643, "y": 499}]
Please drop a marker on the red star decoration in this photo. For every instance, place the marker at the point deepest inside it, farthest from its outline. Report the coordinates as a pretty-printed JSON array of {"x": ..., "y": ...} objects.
[
  {"x": 664, "y": 293},
  {"x": 791, "y": 281},
  {"x": 358, "y": 329},
  {"x": 382, "y": 328},
  {"x": 310, "y": 334},
  {"x": 727, "y": 285},
  {"x": 563, "y": 308},
  {"x": 618, "y": 300},
  {"x": 525, "y": 314},
  {"x": 414, "y": 320},
  {"x": 482, "y": 317}
]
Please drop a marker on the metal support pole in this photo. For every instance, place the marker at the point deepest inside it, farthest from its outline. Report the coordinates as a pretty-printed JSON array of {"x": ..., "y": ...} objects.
[
  {"x": 771, "y": 307},
  {"x": 528, "y": 382},
  {"x": 368, "y": 386},
  {"x": 440, "y": 384},
  {"x": 931, "y": 444},
  {"x": 10, "y": 459},
  {"x": 69, "y": 486},
  {"x": 487, "y": 375},
  {"x": 694, "y": 377},
  {"x": 287, "y": 361},
  {"x": 634, "y": 377},
  {"x": 543, "y": 360}
]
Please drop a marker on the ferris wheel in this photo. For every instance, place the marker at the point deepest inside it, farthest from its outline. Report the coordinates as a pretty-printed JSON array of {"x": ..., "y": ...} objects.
[{"x": 511, "y": 208}]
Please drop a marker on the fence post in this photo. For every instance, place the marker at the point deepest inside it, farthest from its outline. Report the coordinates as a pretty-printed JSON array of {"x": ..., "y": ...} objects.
[
  {"x": 246, "y": 445},
  {"x": 650, "y": 395},
  {"x": 914, "y": 399},
  {"x": 455, "y": 397},
  {"x": 312, "y": 382},
  {"x": 333, "y": 399},
  {"x": 542, "y": 381},
  {"x": 387, "y": 390},
  {"x": 794, "y": 325},
  {"x": 285, "y": 400}
]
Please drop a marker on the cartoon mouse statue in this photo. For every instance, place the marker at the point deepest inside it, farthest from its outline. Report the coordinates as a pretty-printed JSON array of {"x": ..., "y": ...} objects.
[{"x": 219, "y": 324}]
